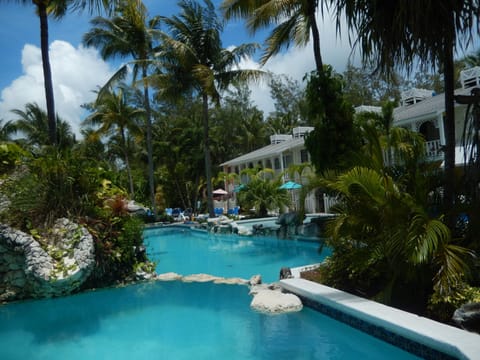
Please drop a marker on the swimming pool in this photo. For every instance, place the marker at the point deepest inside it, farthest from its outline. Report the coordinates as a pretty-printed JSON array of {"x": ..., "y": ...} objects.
[
  {"x": 186, "y": 252},
  {"x": 175, "y": 320}
]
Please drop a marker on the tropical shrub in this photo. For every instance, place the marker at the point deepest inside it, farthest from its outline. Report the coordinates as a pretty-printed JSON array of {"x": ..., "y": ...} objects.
[
  {"x": 263, "y": 194},
  {"x": 10, "y": 157},
  {"x": 66, "y": 184},
  {"x": 118, "y": 247},
  {"x": 442, "y": 307},
  {"x": 386, "y": 243}
]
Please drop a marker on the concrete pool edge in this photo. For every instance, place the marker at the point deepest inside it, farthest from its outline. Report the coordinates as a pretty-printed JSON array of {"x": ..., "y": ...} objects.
[{"x": 443, "y": 338}]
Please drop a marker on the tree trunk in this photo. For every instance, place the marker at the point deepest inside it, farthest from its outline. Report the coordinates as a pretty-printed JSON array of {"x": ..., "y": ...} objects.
[
  {"x": 47, "y": 74},
  {"x": 127, "y": 165},
  {"x": 149, "y": 144},
  {"x": 449, "y": 129},
  {"x": 208, "y": 161},
  {"x": 316, "y": 36}
]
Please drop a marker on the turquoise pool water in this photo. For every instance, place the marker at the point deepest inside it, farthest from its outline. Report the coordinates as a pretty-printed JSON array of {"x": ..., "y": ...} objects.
[
  {"x": 191, "y": 252},
  {"x": 175, "y": 320}
]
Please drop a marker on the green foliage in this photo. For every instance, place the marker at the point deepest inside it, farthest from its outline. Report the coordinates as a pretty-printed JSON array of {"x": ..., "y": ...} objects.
[
  {"x": 56, "y": 184},
  {"x": 364, "y": 86},
  {"x": 117, "y": 247},
  {"x": 263, "y": 193},
  {"x": 384, "y": 242},
  {"x": 289, "y": 104},
  {"x": 10, "y": 157},
  {"x": 442, "y": 307},
  {"x": 334, "y": 140},
  {"x": 33, "y": 124},
  {"x": 65, "y": 184}
]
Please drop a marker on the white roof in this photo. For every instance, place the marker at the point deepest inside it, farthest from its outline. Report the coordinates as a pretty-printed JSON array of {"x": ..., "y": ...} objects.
[
  {"x": 368, "y": 108},
  {"x": 429, "y": 107},
  {"x": 266, "y": 152}
]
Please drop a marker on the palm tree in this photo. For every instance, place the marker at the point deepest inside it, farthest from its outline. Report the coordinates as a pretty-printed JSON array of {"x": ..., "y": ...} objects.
[
  {"x": 130, "y": 34},
  {"x": 117, "y": 118},
  {"x": 472, "y": 59},
  {"x": 383, "y": 239},
  {"x": 293, "y": 21},
  {"x": 7, "y": 129},
  {"x": 395, "y": 33},
  {"x": 263, "y": 193},
  {"x": 57, "y": 9},
  {"x": 34, "y": 124},
  {"x": 194, "y": 59}
]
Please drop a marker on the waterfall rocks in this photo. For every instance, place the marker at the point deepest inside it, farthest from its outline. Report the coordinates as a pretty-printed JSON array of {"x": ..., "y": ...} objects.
[{"x": 44, "y": 267}]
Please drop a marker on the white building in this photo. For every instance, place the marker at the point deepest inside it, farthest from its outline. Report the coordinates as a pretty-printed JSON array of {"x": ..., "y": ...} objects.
[
  {"x": 423, "y": 111},
  {"x": 284, "y": 150},
  {"x": 420, "y": 110}
]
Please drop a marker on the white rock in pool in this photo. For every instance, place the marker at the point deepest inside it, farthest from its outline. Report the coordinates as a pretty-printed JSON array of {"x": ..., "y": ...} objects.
[{"x": 275, "y": 302}]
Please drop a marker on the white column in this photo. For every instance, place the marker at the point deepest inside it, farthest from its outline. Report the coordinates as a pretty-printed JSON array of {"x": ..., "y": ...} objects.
[{"x": 440, "y": 128}]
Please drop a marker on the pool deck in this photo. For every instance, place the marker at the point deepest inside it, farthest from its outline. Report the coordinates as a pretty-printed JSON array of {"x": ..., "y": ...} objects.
[{"x": 451, "y": 341}]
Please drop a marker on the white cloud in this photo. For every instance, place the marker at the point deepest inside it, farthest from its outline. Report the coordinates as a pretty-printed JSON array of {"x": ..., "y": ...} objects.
[{"x": 76, "y": 73}]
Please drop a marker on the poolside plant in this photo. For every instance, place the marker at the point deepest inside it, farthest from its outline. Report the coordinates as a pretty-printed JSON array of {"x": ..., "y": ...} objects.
[
  {"x": 66, "y": 184},
  {"x": 263, "y": 193},
  {"x": 10, "y": 157},
  {"x": 387, "y": 242}
]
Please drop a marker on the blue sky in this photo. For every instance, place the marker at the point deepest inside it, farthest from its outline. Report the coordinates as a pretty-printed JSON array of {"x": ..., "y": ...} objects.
[{"x": 78, "y": 71}]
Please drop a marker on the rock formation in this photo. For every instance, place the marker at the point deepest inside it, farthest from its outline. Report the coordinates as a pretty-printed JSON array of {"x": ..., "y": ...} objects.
[
  {"x": 468, "y": 317},
  {"x": 269, "y": 299},
  {"x": 49, "y": 267}
]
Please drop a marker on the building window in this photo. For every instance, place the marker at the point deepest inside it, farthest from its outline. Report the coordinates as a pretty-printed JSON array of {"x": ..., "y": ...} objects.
[
  {"x": 303, "y": 156},
  {"x": 277, "y": 164},
  {"x": 287, "y": 161}
]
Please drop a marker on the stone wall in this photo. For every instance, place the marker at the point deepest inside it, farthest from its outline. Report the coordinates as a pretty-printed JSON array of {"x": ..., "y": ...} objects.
[{"x": 52, "y": 266}]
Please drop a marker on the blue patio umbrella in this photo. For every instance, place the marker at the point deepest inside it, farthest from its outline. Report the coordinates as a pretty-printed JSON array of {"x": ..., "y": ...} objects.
[
  {"x": 238, "y": 188},
  {"x": 290, "y": 185}
]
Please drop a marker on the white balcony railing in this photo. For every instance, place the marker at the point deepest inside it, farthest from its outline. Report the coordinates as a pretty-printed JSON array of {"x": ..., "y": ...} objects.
[{"x": 433, "y": 149}]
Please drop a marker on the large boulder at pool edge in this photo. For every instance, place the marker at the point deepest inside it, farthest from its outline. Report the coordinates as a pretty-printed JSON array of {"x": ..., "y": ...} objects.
[
  {"x": 468, "y": 317},
  {"x": 58, "y": 266}
]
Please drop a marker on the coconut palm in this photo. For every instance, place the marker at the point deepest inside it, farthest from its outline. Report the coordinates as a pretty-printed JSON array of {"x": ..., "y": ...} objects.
[
  {"x": 130, "y": 33},
  {"x": 7, "y": 128},
  {"x": 395, "y": 33},
  {"x": 195, "y": 60},
  {"x": 293, "y": 21},
  {"x": 34, "y": 124},
  {"x": 57, "y": 9},
  {"x": 116, "y": 117}
]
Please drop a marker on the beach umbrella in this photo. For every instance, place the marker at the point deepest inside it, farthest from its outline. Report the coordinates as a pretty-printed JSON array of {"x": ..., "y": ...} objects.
[
  {"x": 290, "y": 185},
  {"x": 219, "y": 192},
  {"x": 237, "y": 188}
]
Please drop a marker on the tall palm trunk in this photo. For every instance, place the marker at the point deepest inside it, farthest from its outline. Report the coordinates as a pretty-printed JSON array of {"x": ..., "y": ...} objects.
[
  {"x": 208, "y": 161},
  {"x": 148, "y": 112},
  {"x": 127, "y": 164},
  {"x": 449, "y": 129},
  {"x": 47, "y": 73},
  {"x": 316, "y": 37}
]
